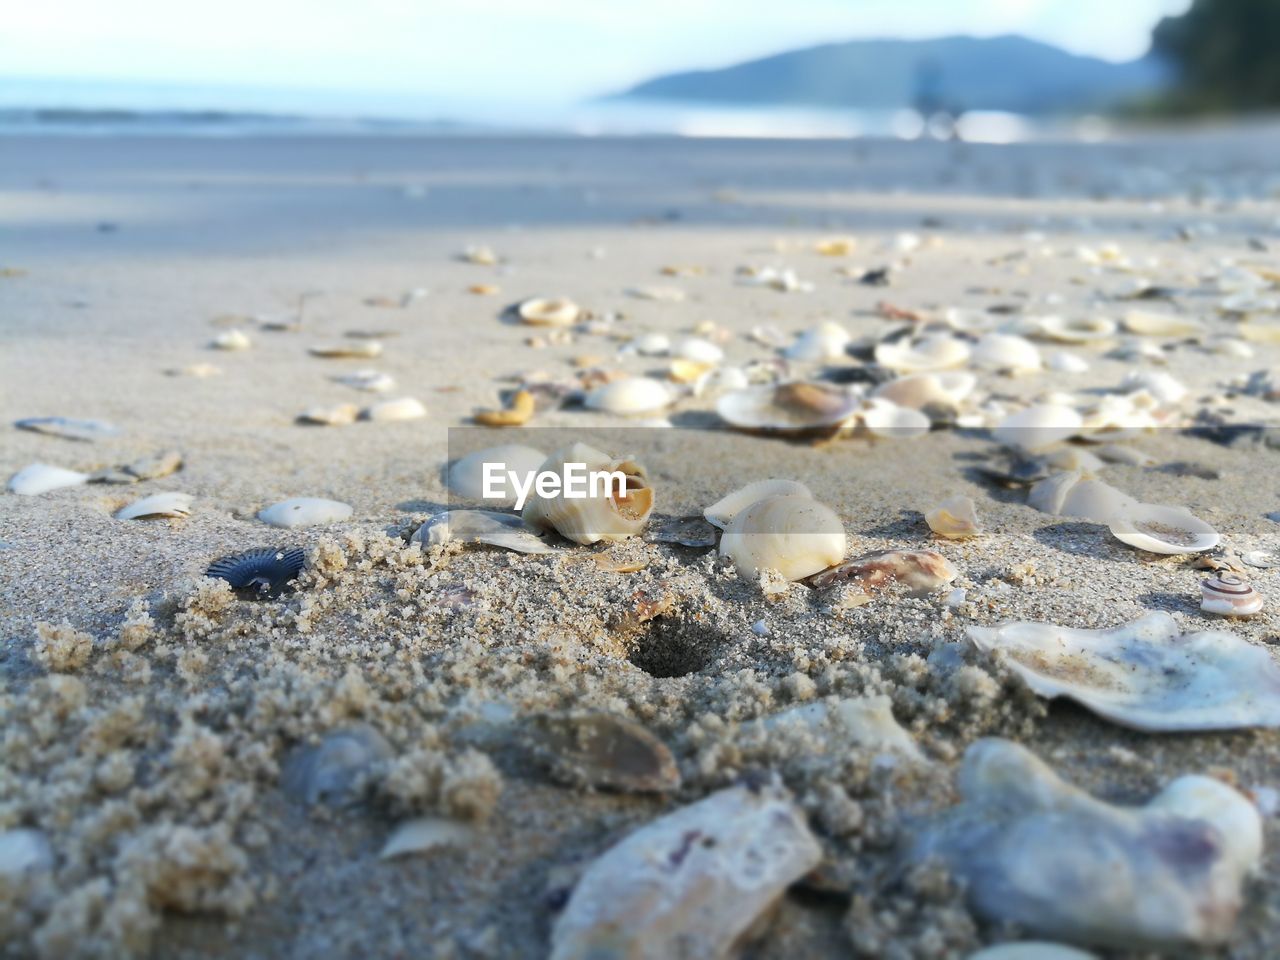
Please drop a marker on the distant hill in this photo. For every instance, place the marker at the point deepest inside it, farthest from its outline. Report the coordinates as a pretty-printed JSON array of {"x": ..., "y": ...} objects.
[{"x": 959, "y": 73}]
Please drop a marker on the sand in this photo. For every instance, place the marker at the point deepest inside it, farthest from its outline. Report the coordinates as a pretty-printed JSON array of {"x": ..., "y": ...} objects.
[{"x": 148, "y": 714}]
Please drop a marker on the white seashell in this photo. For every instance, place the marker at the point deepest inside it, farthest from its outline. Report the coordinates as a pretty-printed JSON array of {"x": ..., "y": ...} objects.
[
  {"x": 1038, "y": 426},
  {"x": 39, "y": 478},
  {"x": 362, "y": 349},
  {"x": 24, "y": 850},
  {"x": 1075, "y": 330},
  {"x": 478, "y": 254},
  {"x": 607, "y": 514},
  {"x": 631, "y": 396},
  {"x": 1073, "y": 458},
  {"x": 956, "y": 518},
  {"x": 466, "y": 475},
  {"x": 967, "y": 320},
  {"x": 157, "y": 505},
  {"x": 783, "y": 280},
  {"x": 69, "y": 428},
  {"x": 423, "y": 834},
  {"x": 304, "y": 512},
  {"x": 1002, "y": 351},
  {"x": 1247, "y": 303},
  {"x": 1067, "y": 363},
  {"x": 792, "y": 534},
  {"x": 1233, "y": 279},
  {"x": 371, "y": 381},
  {"x": 840, "y": 725},
  {"x": 1075, "y": 493},
  {"x": 825, "y": 342},
  {"x": 1031, "y": 950},
  {"x": 1145, "y": 674},
  {"x": 549, "y": 312},
  {"x": 767, "y": 335},
  {"x": 692, "y": 883},
  {"x": 1231, "y": 347},
  {"x": 1151, "y": 324},
  {"x": 722, "y": 512},
  {"x": 697, "y": 349},
  {"x": 885, "y": 419},
  {"x": 231, "y": 340},
  {"x": 720, "y": 380},
  {"x": 1041, "y": 854},
  {"x": 1261, "y": 559},
  {"x": 1115, "y": 453},
  {"x": 795, "y": 407},
  {"x": 504, "y": 530},
  {"x": 335, "y": 771},
  {"x": 1163, "y": 386},
  {"x": 335, "y": 415},
  {"x": 650, "y": 345},
  {"x": 1162, "y": 529},
  {"x": 934, "y": 352},
  {"x": 1229, "y": 596},
  {"x": 406, "y": 408}
]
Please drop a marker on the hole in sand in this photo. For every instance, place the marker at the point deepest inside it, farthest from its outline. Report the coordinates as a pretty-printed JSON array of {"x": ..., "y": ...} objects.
[{"x": 671, "y": 647}]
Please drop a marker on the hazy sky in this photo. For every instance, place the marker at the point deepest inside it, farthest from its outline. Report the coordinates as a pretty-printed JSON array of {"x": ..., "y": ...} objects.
[{"x": 485, "y": 49}]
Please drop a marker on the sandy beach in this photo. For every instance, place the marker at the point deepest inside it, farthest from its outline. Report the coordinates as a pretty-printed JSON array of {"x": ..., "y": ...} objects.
[{"x": 150, "y": 717}]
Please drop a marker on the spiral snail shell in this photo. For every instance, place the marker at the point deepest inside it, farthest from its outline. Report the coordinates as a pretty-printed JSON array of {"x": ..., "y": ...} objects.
[{"x": 1229, "y": 596}]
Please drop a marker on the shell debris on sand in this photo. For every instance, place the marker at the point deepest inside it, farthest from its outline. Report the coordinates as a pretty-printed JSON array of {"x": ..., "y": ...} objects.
[
  {"x": 37, "y": 478},
  {"x": 466, "y": 475},
  {"x": 304, "y": 512},
  {"x": 917, "y": 572},
  {"x": 607, "y": 513},
  {"x": 387, "y": 411},
  {"x": 956, "y": 518},
  {"x": 506, "y": 530},
  {"x": 69, "y": 428},
  {"x": 335, "y": 771},
  {"x": 349, "y": 349},
  {"x": 174, "y": 505},
  {"x": 793, "y": 534}
]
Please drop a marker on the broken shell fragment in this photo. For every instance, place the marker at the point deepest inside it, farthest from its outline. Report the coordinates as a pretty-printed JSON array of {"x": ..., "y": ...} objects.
[
  {"x": 692, "y": 531},
  {"x": 157, "y": 505},
  {"x": 796, "y": 407},
  {"x": 722, "y": 512},
  {"x": 549, "y": 312},
  {"x": 358, "y": 349},
  {"x": 612, "y": 510},
  {"x": 405, "y": 408},
  {"x": 1145, "y": 674},
  {"x": 928, "y": 391},
  {"x": 336, "y": 770},
  {"x": 956, "y": 518},
  {"x": 630, "y": 396},
  {"x": 304, "y": 512},
  {"x": 37, "y": 478},
  {"x": 262, "y": 574},
  {"x": 370, "y": 381},
  {"x": 1076, "y": 493},
  {"x": 1038, "y": 426},
  {"x": 68, "y": 428},
  {"x": 919, "y": 572},
  {"x": 1229, "y": 596},
  {"x": 691, "y": 884},
  {"x": 423, "y": 834},
  {"x": 336, "y": 415},
  {"x": 231, "y": 340},
  {"x": 466, "y": 477},
  {"x": 518, "y": 412},
  {"x": 792, "y": 534},
  {"x": 494, "y": 529},
  {"x": 1163, "y": 529},
  {"x": 601, "y": 750}
]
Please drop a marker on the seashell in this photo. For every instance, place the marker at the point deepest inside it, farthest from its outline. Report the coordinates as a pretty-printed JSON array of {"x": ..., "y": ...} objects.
[
  {"x": 549, "y": 312},
  {"x": 262, "y": 574},
  {"x": 335, "y": 415},
  {"x": 358, "y": 349},
  {"x": 466, "y": 476},
  {"x": 1032, "y": 950},
  {"x": 926, "y": 391},
  {"x": 795, "y": 407},
  {"x": 304, "y": 512},
  {"x": 1067, "y": 363},
  {"x": 721, "y": 513},
  {"x": 1230, "y": 347},
  {"x": 200, "y": 371},
  {"x": 1144, "y": 674},
  {"x": 827, "y": 341},
  {"x": 1041, "y": 854},
  {"x": 697, "y": 349},
  {"x": 424, "y": 834},
  {"x": 1002, "y": 351},
  {"x": 144, "y": 468},
  {"x": 844, "y": 724},
  {"x": 1073, "y": 458},
  {"x": 481, "y": 526},
  {"x": 1258, "y": 332},
  {"x": 691, "y": 531},
  {"x": 405, "y": 408},
  {"x": 1151, "y": 324},
  {"x": 24, "y": 850},
  {"x": 231, "y": 340},
  {"x": 68, "y": 428},
  {"x": 335, "y": 771},
  {"x": 630, "y": 396},
  {"x": 37, "y": 478},
  {"x": 767, "y": 335},
  {"x": 478, "y": 254},
  {"x": 919, "y": 572},
  {"x": 1229, "y": 596},
  {"x": 885, "y": 419},
  {"x": 1261, "y": 559},
  {"x": 650, "y": 345},
  {"x": 519, "y": 412},
  {"x": 1162, "y": 529},
  {"x": 934, "y": 352},
  {"x": 690, "y": 884},
  {"x": 967, "y": 320},
  {"x": 1074, "y": 493},
  {"x": 1163, "y": 386},
  {"x": 1116, "y": 453},
  {"x": 371, "y": 381},
  {"x": 1075, "y": 330},
  {"x": 792, "y": 534},
  {"x": 956, "y": 518},
  {"x": 835, "y": 246},
  {"x": 687, "y": 371},
  {"x": 607, "y": 514},
  {"x": 601, "y": 750},
  {"x": 484, "y": 289},
  {"x": 660, "y": 294},
  {"x": 1038, "y": 426},
  {"x": 157, "y": 505}
]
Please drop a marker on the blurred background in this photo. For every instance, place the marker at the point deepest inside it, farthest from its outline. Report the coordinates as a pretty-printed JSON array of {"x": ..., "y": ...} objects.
[{"x": 989, "y": 70}]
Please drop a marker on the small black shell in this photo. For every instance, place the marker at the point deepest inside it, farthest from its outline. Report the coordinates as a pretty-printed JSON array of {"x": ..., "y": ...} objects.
[{"x": 260, "y": 574}]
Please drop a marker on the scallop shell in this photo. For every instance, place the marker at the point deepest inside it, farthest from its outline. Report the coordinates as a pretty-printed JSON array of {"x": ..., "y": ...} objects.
[
  {"x": 157, "y": 505},
  {"x": 692, "y": 883},
  {"x": 549, "y": 312},
  {"x": 262, "y": 574},
  {"x": 1229, "y": 596},
  {"x": 37, "y": 478},
  {"x": 423, "y": 834},
  {"x": 405, "y": 408},
  {"x": 630, "y": 396},
  {"x": 1151, "y": 324},
  {"x": 697, "y": 349},
  {"x": 1163, "y": 529},
  {"x": 721, "y": 513},
  {"x": 601, "y": 750},
  {"x": 504, "y": 530},
  {"x": 358, "y": 349},
  {"x": 885, "y": 419},
  {"x": 1074, "y": 493},
  {"x": 335, "y": 415},
  {"x": 795, "y": 407},
  {"x": 231, "y": 340},
  {"x": 934, "y": 352},
  {"x": 606, "y": 516},
  {"x": 825, "y": 342},
  {"x": 1145, "y": 674},
  {"x": 919, "y": 572},
  {"x": 68, "y": 428},
  {"x": 793, "y": 534},
  {"x": 1038, "y": 426},
  {"x": 304, "y": 512},
  {"x": 1075, "y": 330},
  {"x": 1038, "y": 853},
  {"x": 956, "y": 518},
  {"x": 370, "y": 381},
  {"x": 1002, "y": 351},
  {"x": 926, "y": 391},
  {"x": 335, "y": 771},
  {"x": 466, "y": 475}
]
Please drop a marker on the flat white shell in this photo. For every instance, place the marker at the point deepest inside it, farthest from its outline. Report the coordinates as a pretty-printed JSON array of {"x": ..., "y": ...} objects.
[
  {"x": 466, "y": 474},
  {"x": 691, "y": 883},
  {"x": 69, "y": 428},
  {"x": 371, "y": 381},
  {"x": 1002, "y": 351},
  {"x": 158, "y": 505},
  {"x": 39, "y": 478},
  {"x": 788, "y": 407},
  {"x": 934, "y": 352},
  {"x": 922, "y": 390},
  {"x": 630, "y": 396},
  {"x": 1074, "y": 493},
  {"x": 423, "y": 834},
  {"x": 720, "y": 513},
  {"x": 1038, "y": 426},
  {"x": 882, "y": 418},
  {"x": 795, "y": 535},
  {"x": 363, "y": 349},
  {"x": 405, "y": 408},
  {"x": 304, "y": 512},
  {"x": 1145, "y": 674},
  {"x": 231, "y": 340},
  {"x": 504, "y": 530},
  {"x": 1077, "y": 330},
  {"x": 697, "y": 349},
  {"x": 818, "y": 344},
  {"x": 1163, "y": 529}
]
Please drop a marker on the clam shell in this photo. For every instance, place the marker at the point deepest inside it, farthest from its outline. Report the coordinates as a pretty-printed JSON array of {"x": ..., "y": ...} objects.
[
  {"x": 690, "y": 884},
  {"x": 795, "y": 407},
  {"x": 1229, "y": 596},
  {"x": 370, "y": 381},
  {"x": 1038, "y": 426},
  {"x": 549, "y": 312},
  {"x": 934, "y": 352},
  {"x": 885, "y": 419},
  {"x": 504, "y": 530},
  {"x": 919, "y": 572},
  {"x": 334, "y": 415},
  {"x": 231, "y": 340},
  {"x": 335, "y": 771},
  {"x": 722, "y": 512},
  {"x": 1163, "y": 386},
  {"x": 586, "y": 520},
  {"x": 601, "y": 750},
  {"x": 37, "y": 478},
  {"x": 466, "y": 475},
  {"x": 157, "y": 505},
  {"x": 793, "y": 534},
  {"x": 1067, "y": 363},
  {"x": 1145, "y": 674},
  {"x": 68, "y": 428},
  {"x": 631, "y": 396},
  {"x": 1075, "y": 493},
  {"x": 1163, "y": 529},
  {"x": 262, "y": 574},
  {"x": 650, "y": 345},
  {"x": 956, "y": 518},
  {"x": 405, "y": 408},
  {"x": 819, "y": 344},
  {"x": 1002, "y": 351},
  {"x": 697, "y": 349},
  {"x": 478, "y": 253},
  {"x": 1152, "y": 324},
  {"x": 925, "y": 391},
  {"x": 304, "y": 512},
  {"x": 423, "y": 834},
  {"x": 347, "y": 349}
]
